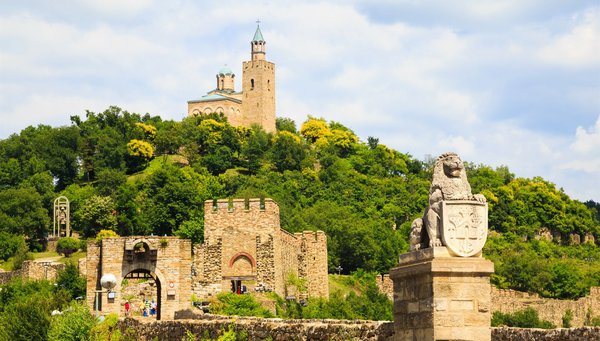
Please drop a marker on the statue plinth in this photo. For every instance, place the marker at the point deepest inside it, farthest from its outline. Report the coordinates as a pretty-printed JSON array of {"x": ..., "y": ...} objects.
[{"x": 438, "y": 296}]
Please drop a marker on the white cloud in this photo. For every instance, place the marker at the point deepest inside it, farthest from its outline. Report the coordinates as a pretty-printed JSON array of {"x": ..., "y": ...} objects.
[{"x": 580, "y": 47}]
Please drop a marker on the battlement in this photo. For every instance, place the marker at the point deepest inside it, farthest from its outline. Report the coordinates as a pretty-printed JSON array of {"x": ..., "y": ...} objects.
[
  {"x": 247, "y": 205},
  {"x": 263, "y": 64}
]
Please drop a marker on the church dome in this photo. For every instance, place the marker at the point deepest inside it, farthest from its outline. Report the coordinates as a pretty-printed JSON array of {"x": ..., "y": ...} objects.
[{"x": 225, "y": 71}]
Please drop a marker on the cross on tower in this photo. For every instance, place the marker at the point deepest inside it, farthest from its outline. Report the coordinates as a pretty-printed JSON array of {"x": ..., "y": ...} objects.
[{"x": 257, "y": 21}]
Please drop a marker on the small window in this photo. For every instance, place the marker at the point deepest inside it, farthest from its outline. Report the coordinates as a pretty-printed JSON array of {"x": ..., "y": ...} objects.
[{"x": 252, "y": 84}]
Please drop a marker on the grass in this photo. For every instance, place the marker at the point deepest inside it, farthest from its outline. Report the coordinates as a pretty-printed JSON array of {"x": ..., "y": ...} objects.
[
  {"x": 47, "y": 254},
  {"x": 8, "y": 265},
  {"x": 343, "y": 283}
]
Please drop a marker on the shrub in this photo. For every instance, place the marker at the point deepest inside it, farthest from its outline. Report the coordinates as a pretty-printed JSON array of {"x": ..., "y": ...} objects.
[
  {"x": 10, "y": 244},
  {"x": 567, "y": 318},
  {"x": 70, "y": 280},
  {"x": 21, "y": 256},
  {"x": 527, "y": 318},
  {"x": 105, "y": 234},
  {"x": 242, "y": 305},
  {"x": 73, "y": 324},
  {"x": 67, "y": 246}
]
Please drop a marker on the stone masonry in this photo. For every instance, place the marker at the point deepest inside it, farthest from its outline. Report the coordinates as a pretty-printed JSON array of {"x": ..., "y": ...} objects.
[
  {"x": 166, "y": 259},
  {"x": 244, "y": 245}
]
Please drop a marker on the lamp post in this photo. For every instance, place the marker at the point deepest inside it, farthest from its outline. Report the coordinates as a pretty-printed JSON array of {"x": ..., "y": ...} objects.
[
  {"x": 339, "y": 269},
  {"x": 108, "y": 281}
]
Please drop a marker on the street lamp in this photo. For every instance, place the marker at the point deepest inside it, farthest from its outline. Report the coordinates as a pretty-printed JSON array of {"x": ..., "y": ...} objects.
[{"x": 108, "y": 281}]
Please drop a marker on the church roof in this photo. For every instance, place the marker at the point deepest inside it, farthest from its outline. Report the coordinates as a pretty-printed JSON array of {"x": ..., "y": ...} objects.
[
  {"x": 214, "y": 97},
  {"x": 225, "y": 71},
  {"x": 258, "y": 35}
]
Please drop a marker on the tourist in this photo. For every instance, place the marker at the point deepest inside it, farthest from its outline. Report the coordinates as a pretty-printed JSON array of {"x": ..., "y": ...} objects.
[
  {"x": 127, "y": 307},
  {"x": 152, "y": 308}
]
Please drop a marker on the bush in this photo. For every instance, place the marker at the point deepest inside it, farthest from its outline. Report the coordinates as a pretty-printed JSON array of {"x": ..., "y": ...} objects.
[
  {"x": 21, "y": 256},
  {"x": 10, "y": 244},
  {"x": 234, "y": 304},
  {"x": 567, "y": 318},
  {"x": 74, "y": 323},
  {"x": 527, "y": 318},
  {"x": 70, "y": 280},
  {"x": 67, "y": 246},
  {"x": 106, "y": 234}
]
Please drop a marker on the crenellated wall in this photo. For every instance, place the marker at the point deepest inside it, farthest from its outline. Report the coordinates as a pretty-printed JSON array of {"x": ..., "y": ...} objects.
[{"x": 244, "y": 239}]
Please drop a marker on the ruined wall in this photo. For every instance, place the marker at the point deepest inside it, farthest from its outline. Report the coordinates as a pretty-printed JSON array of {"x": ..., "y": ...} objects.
[
  {"x": 260, "y": 329},
  {"x": 41, "y": 270},
  {"x": 289, "y": 251},
  {"x": 509, "y": 301},
  {"x": 385, "y": 285},
  {"x": 561, "y": 334},
  {"x": 313, "y": 262}
]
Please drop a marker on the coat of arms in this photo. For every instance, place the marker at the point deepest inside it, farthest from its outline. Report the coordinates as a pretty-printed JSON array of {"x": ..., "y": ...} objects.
[{"x": 464, "y": 226}]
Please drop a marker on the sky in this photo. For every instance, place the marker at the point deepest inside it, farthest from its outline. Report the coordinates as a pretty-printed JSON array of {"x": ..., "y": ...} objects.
[{"x": 513, "y": 82}]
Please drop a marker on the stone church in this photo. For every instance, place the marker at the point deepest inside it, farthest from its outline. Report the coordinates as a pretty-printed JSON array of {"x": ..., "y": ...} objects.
[{"x": 255, "y": 104}]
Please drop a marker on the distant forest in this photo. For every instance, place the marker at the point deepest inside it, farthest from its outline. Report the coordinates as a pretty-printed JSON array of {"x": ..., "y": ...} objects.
[{"x": 140, "y": 175}]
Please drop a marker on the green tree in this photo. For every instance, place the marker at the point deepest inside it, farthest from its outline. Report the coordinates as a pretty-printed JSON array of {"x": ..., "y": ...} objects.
[
  {"x": 73, "y": 324},
  {"x": 22, "y": 212},
  {"x": 71, "y": 281},
  {"x": 96, "y": 213}
]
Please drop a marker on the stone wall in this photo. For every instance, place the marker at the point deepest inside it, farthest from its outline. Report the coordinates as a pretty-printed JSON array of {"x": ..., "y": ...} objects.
[
  {"x": 385, "y": 285},
  {"x": 278, "y": 329},
  {"x": 260, "y": 329},
  {"x": 561, "y": 334},
  {"x": 243, "y": 242},
  {"x": 34, "y": 270},
  {"x": 509, "y": 301}
]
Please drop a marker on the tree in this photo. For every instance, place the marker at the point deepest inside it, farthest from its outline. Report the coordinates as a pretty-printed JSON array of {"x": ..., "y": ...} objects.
[
  {"x": 74, "y": 323},
  {"x": 96, "y": 213},
  {"x": 22, "y": 212},
  {"x": 287, "y": 152},
  {"x": 285, "y": 124},
  {"x": 71, "y": 281},
  {"x": 10, "y": 244}
]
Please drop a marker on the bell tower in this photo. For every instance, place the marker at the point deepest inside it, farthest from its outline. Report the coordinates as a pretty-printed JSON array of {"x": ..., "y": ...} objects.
[{"x": 258, "y": 86}]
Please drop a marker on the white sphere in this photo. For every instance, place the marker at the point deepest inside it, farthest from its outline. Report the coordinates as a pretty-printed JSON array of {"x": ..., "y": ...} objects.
[{"x": 108, "y": 281}]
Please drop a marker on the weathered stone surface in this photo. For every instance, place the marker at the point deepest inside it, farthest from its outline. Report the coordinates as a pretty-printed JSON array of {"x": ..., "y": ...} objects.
[
  {"x": 167, "y": 259},
  {"x": 243, "y": 242},
  {"x": 562, "y": 334},
  {"x": 440, "y": 297},
  {"x": 260, "y": 329}
]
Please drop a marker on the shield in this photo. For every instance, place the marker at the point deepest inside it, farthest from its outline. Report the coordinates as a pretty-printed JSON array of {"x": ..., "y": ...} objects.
[{"x": 464, "y": 226}]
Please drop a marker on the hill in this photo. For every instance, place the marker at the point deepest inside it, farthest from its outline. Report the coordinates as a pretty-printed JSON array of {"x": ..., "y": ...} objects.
[{"x": 139, "y": 174}]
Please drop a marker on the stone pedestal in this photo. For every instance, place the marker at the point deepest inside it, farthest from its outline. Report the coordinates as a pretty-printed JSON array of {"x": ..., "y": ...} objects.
[{"x": 440, "y": 297}]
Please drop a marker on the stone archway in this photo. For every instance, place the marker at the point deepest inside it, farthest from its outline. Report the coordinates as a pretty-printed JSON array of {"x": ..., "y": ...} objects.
[
  {"x": 166, "y": 259},
  {"x": 146, "y": 274}
]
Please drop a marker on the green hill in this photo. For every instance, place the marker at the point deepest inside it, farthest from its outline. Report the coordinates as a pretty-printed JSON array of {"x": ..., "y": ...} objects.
[{"x": 140, "y": 175}]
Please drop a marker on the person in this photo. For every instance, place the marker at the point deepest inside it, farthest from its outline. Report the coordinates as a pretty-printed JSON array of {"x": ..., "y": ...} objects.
[
  {"x": 146, "y": 308},
  {"x": 127, "y": 307},
  {"x": 152, "y": 308}
]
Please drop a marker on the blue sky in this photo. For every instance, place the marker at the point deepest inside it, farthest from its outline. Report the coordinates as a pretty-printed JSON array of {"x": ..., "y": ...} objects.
[{"x": 512, "y": 82}]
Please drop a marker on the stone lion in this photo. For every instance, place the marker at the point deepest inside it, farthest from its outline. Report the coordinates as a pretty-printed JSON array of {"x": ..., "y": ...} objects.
[{"x": 449, "y": 183}]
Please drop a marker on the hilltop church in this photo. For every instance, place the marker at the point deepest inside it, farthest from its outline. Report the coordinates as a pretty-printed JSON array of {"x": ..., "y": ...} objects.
[{"x": 255, "y": 104}]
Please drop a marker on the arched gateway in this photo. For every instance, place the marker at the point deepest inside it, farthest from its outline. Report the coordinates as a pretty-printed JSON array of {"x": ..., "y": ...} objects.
[{"x": 167, "y": 260}]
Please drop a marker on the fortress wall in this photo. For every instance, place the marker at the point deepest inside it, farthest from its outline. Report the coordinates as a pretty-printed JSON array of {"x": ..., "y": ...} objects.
[{"x": 509, "y": 301}]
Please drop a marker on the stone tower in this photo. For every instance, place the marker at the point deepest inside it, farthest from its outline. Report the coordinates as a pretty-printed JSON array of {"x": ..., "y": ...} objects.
[{"x": 258, "y": 86}]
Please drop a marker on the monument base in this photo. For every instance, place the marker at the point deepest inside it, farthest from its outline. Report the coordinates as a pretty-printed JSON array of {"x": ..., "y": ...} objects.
[{"x": 440, "y": 297}]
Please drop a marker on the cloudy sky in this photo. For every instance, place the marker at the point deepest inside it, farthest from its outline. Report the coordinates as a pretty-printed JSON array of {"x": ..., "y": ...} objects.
[{"x": 510, "y": 82}]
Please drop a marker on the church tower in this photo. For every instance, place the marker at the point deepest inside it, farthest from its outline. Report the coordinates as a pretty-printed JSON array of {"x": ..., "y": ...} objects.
[{"x": 258, "y": 86}]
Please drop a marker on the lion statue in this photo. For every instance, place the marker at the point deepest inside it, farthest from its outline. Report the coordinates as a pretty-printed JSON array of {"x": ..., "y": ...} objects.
[{"x": 449, "y": 183}]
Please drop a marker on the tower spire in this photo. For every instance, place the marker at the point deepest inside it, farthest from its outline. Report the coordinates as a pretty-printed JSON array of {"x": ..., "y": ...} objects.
[{"x": 257, "y": 44}]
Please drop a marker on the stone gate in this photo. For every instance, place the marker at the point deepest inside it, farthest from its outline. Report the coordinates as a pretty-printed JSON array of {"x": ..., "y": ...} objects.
[{"x": 165, "y": 259}]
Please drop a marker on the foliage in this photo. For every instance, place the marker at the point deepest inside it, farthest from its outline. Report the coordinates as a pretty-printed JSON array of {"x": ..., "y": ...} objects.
[
  {"x": 10, "y": 244},
  {"x": 73, "y": 324},
  {"x": 67, "y": 246},
  {"x": 71, "y": 281},
  {"x": 106, "y": 234},
  {"x": 567, "y": 319},
  {"x": 527, "y": 318},
  {"x": 96, "y": 213},
  {"x": 363, "y": 195},
  {"x": 106, "y": 330},
  {"x": 234, "y": 304},
  {"x": 25, "y": 308},
  {"x": 21, "y": 256}
]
